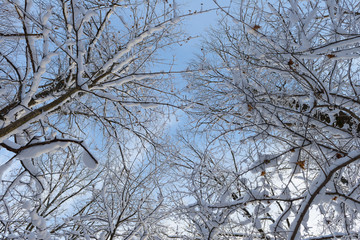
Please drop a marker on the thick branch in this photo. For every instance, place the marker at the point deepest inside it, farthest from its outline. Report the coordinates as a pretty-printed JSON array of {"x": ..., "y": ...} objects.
[
  {"x": 30, "y": 117},
  {"x": 311, "y": 196}
]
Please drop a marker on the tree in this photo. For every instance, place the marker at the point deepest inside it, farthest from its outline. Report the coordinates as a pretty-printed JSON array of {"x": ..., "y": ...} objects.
[
  {"x": 277, "y": 97},
  {"x": 57, "y": 54},
  {"x": 76, "y": 83}
]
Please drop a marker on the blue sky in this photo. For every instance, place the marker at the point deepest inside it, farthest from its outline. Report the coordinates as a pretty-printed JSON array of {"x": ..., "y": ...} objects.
[{"x": 195, "y": 25}]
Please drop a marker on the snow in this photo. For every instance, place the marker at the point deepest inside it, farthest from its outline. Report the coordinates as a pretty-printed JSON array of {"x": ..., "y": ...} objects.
[
  {"x": 130, "y": 104},
  {"x": 264, "y": 161},
  {"x": 354, "y": 204},
  {"x": 89, "y": 14},
  {"x": 251, "y": 31},
  {"x": 4, "y": 167},
  {"x": 11, "y": 144},
  {"x": 122, "y": 59},
  {"x": 353, "y": 155},
  {"x": 341, "y": 43},
  {"x": 124, "y": 80},
  {"x": 38, "y": 150},
  {"x": 40, "y": 223},
  {"x": 26, "y": 205},
  {"x": 31, "y": 236},
  {"x": 69, "y": 28},
  {"x": 310, "y": 17},
  {"x": 293, "y": 18},
  {"x": 295, "y": 156},
  {"x": 27, "y": 124},
  {"x": 47, "y": 15},
  {"x": 318, "y": 186},
  {"x": 89, "y": 161},
  {"x": 131, "y": 45},
  {"x": 37, "y": 220},
  {"x": 102, "y": 27},
  {"x": 10, "y": 116},
  {"x": 37, "y": 78},
  {"x": 33, "y": 170},
  {"x": 149, "y": 105},
  {"x": 305, "y": 43}
]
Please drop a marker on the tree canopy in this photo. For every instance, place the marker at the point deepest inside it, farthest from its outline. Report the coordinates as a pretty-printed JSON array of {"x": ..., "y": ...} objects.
[
  {"x": 277, "y": 96},
  {"x": 268, "y": 144}
]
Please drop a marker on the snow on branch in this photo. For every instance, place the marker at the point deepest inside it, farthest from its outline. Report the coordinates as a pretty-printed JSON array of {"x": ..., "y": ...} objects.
[
  {"x": 33, "y": 150},
  {"x": 315, "y": 189}
]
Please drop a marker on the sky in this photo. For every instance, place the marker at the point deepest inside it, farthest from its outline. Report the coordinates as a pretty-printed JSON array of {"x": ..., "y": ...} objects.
[{"x": 195, "y": 26}]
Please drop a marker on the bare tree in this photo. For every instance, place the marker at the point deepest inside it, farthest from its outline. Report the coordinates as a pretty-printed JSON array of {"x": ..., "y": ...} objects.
[
  {"x": 67, "y": 201},
  {"x": 277, "y": 98},
  {"x": 79, "y": 60},
  {"x": 81, "y": 79}
]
